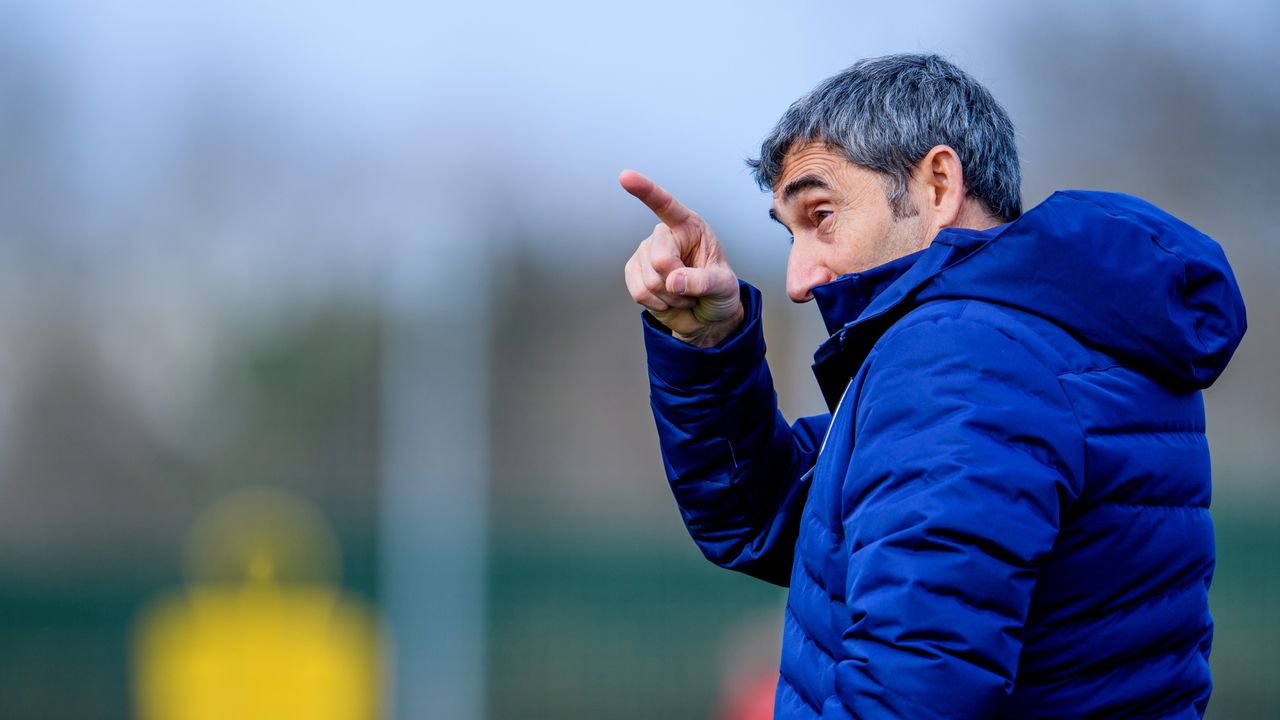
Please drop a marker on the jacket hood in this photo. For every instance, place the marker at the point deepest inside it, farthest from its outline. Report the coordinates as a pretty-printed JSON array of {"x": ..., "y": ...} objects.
[{"x": 1117, "y": 272}]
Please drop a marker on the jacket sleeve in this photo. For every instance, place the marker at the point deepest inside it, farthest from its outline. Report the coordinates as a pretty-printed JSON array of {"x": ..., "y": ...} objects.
[
  {"x": 967, "y": 453},
  {"x": 739, "y": 473}
]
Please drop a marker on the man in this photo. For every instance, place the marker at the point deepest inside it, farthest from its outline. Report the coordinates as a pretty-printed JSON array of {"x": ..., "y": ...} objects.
[{"x": 1005, "y": 514}]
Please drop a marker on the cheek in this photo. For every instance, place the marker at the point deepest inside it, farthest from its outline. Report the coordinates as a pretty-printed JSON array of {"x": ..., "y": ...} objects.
[
  {"x": 907, "y": 235},
  {"x": 853, "y": 241},
  {"x": 863, "y": 240}
]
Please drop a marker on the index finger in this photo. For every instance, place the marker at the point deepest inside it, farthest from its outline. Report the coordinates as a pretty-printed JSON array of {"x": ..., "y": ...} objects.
[{"x": 662, "y": 203}]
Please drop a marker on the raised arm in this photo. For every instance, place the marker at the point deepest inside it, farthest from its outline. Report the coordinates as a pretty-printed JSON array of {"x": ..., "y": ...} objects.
[{"x": 738, "y": 471}]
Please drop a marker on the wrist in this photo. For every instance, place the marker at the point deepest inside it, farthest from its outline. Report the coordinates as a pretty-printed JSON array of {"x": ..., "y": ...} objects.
[{"x": 713, "y": 334}]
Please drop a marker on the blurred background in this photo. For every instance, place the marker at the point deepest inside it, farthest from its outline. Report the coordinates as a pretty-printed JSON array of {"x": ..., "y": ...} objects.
[{"x": 316, "y": 351}]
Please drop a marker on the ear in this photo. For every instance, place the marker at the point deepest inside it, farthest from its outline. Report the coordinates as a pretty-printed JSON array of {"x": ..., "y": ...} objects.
[{"x": 941, "y": 181}]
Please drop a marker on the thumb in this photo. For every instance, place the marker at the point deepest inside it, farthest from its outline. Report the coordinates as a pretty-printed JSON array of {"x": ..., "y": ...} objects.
[{"x": 701, "y": 282}]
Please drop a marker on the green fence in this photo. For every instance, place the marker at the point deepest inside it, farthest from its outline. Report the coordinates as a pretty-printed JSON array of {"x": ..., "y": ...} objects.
[{"x": 584, "y": 625}]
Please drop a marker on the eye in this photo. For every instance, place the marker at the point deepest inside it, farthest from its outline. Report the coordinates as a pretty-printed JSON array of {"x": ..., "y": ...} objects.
[{"x": 819, "y": 215}]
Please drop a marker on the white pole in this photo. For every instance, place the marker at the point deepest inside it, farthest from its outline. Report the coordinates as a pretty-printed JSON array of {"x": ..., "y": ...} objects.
[{"x": 435, "y": 470}]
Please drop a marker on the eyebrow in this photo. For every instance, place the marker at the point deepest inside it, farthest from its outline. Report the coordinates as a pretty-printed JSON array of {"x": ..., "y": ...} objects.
[
  {"x": 795, "y": 187},
  {"x": 802, "y": 183}
]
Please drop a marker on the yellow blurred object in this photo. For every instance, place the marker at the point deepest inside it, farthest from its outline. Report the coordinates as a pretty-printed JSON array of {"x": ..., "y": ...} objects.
[
  {"x": 259, "y": 647},
  {"x": 257, "y": 525}
]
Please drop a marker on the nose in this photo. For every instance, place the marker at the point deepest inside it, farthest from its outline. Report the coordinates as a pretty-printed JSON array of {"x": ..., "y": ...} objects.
[{"x": 803, "y": 274}]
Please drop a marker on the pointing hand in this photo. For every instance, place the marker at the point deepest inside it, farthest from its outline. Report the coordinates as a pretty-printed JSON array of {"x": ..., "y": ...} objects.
[{"x": 679, "y": 273}]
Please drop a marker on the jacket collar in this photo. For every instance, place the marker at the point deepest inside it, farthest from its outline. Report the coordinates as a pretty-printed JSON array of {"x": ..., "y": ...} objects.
[
  {"x": 858, "y": 308},
  {"x": 843, "y": 300}
]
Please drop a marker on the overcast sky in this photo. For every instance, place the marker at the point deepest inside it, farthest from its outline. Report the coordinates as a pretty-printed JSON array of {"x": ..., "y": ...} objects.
[{"x": 533, "y": 107}]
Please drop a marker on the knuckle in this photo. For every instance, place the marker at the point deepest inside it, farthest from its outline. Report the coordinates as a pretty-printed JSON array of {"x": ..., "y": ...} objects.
[
  {"x": 654, "y": 303},
  {"x": 648, "y": 271},
  {"x": 635, "y": 284},
  {"x": 666, "y": 261},
  {"x": 633, "y": 274}
]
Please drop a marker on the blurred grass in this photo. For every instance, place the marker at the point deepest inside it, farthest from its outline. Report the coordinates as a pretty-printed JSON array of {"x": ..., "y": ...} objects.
[
  {"x": 1245, "y": 602},
  {"x": 65, "y": 630},
  {"x": 583, "y": 624},
  {"x": 612, "y": 627}
]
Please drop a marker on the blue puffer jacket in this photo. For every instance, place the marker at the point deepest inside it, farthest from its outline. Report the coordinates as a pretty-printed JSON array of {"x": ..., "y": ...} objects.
[{"x": 1006, "y": 514}]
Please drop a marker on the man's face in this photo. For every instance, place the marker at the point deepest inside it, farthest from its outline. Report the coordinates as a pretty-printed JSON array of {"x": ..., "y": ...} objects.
[{"x": 839, "y": 218}]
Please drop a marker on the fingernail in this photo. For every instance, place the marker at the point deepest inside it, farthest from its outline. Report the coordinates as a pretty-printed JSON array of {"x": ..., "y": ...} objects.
[{"x": 680, "y": 283}]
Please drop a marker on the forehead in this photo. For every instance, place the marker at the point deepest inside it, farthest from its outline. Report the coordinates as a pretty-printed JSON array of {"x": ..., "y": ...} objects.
[{"x": 821, "y": 161}]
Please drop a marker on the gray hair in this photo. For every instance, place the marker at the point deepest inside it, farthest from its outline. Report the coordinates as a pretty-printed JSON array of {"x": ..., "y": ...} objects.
[{"x": 886, "y": 113}]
